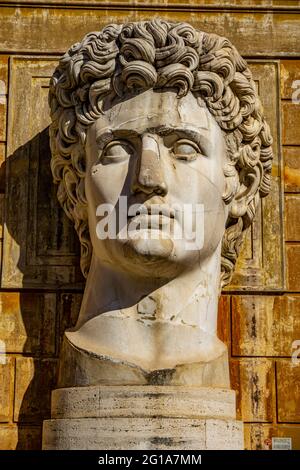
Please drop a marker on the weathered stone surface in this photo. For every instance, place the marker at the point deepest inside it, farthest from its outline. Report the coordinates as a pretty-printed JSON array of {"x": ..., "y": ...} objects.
[
  {"x": 293, "y": 267},
  {"x": 132, "y": 4},
  {"x": 142, "y": 417},
  {"x": 68, "y": 307},
  {"x": 28, "y": 322},
  {"x": 4, "y": 70},
  {"x": 224, "y": 320},
  {"x": 34, "y": 381},
  {"x": 253, "y": 379},
  {"x": 270, "y": 34},
  {"x": 290, "y": 123},
  {"x": 142, "y": 401},
  {"x": 291, "y": 169},
  {"x": 224, "y": 434},
  {"x": 29, "y": 438},
  {"x": 3, "y": 95},
  {"x": 259, "y": 436},
  {"x": 1, "y": 214},
  {"x": 6, "y": 388},
  {"x": 81, "y": 368},
  {"x": 41, "y": 247},
  {"x": 142, "y": 433},
  {"x": 289, "y": 73},
  {"x": 20, "y": 437},
  {"x": 2, "y": 166},
  {"x": 8, "y": 437},
  {"x": 288, "y": 390},
  {"x": 264, "y": 325},
  {"x": 258, "y": 264},
  {"x": 292, "y": 218}
]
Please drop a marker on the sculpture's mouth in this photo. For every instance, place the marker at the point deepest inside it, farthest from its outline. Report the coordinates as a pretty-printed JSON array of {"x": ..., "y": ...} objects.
[
  {"x": 149, "y": 222},
  {"x": 151, "y": 216},
  {"x": 149, "y": 209}
]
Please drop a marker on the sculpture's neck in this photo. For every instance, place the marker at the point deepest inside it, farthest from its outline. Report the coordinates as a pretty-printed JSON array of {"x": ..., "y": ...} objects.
[{"x": 191, "y": 298}]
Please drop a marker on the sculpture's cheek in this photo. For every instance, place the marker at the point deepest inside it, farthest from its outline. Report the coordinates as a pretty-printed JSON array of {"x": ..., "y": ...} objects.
[
  {"x": 105, "y": 183},
  {"x": 196, "y": 195}
]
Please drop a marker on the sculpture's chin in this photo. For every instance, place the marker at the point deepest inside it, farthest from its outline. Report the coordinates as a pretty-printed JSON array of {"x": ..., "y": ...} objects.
[
  {"x": 150, "y": 243},
  {"x": 151, "y": 256},
  {"x": 147, "y": 255}
]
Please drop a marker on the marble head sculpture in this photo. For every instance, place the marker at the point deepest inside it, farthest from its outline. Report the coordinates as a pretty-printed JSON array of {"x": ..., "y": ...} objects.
[{"x": 165, "y": 116}]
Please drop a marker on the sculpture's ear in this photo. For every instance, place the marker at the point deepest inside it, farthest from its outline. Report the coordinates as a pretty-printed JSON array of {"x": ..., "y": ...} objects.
[{"x": 246, "y": 197}]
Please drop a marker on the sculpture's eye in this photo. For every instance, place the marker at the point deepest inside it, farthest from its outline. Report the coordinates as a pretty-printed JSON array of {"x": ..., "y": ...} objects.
[
  {"x": 115, "y": 152},
  {"x": 186, "y": 150}
]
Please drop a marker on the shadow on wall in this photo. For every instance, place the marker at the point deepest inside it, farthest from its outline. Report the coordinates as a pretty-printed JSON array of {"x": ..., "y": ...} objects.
[{"x": 41, "y": 265}]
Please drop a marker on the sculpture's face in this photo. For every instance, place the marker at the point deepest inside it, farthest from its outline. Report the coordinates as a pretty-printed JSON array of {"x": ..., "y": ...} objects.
[{"x": 167, "y": 153}]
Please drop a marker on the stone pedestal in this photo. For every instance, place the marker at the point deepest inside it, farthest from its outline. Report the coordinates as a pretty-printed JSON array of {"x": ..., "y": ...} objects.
[{"x": 143, "y": 417}]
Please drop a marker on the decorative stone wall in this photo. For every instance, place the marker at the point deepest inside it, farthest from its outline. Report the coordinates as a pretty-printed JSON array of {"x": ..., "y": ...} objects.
[{"x": 41, "y": 284}]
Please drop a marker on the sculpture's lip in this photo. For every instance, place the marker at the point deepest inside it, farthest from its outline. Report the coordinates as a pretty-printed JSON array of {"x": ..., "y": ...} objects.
[
  {"x": 151, "y": 221},
  {"x": 155, "y": 210}
]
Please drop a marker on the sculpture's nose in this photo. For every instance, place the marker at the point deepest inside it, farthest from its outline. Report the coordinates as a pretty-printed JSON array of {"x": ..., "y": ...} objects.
[{"x": 149, "y": 177}]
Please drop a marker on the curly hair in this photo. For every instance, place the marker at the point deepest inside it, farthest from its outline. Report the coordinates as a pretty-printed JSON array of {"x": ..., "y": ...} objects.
[{"x": 160, "y": 54}]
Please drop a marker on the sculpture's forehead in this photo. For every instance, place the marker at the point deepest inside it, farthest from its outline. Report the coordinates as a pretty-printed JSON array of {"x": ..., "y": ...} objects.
[{"x": 155, "y": 109}]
